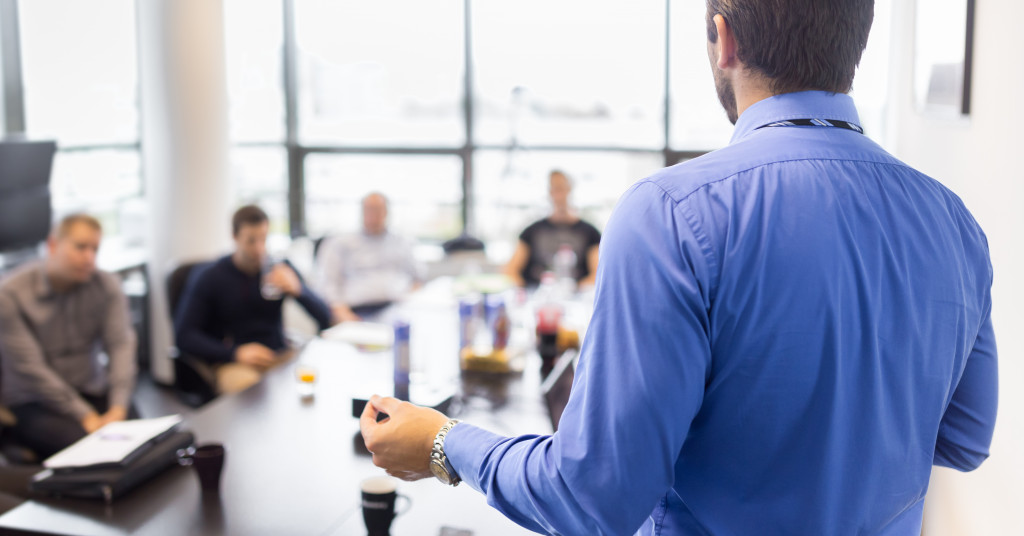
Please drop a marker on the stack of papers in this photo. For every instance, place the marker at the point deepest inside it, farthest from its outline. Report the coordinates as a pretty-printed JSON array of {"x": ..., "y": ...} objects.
[
  {"x": 113, "y": 443},
  {"x": 367, "y": 336}
]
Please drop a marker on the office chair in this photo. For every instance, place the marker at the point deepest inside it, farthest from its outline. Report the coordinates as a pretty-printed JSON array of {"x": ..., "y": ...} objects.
[
  {"x": 463, "y": 242},
  {"x": 463, "y": 254},
  {"x": 194, "y": 379},
  {"x": 317, "y": 242}
]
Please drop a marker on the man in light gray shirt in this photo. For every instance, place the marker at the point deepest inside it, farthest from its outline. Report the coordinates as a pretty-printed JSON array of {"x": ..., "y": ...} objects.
[
  {"x": 67, "y": 348},
  {"x": 363, "y": 272}
]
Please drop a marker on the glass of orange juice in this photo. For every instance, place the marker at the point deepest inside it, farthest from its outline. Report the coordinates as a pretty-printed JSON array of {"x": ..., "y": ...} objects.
[{"x": 305, "y": 375}]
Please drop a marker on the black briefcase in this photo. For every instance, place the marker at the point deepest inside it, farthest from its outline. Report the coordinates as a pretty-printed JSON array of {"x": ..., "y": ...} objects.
[{"x": 110, "y": 481}]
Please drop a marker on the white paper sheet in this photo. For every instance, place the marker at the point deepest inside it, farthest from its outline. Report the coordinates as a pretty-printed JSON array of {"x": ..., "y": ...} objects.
[{"x": 111, "y": 443}]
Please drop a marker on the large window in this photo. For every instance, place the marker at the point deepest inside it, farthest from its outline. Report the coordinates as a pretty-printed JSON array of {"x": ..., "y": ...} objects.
[
  {"x": 870, "y": 85},
  {"x": 259, "y": 176},
  {"x": 458, "y": 109},
  {"x": 574, "y": 72},
  {"x": 380, "y": 73},
  {"x": 424, "y": 193},
  {"x": 513, "y": 187},
  {"x": 698, "y": 120},
  {"x": 253, "y": 45},
  {"x": 80, "y": 83},
  {"x": 3, "y": 78},
  {"x": 79, "y": 71},
  {"x": 257, "y": 117}
]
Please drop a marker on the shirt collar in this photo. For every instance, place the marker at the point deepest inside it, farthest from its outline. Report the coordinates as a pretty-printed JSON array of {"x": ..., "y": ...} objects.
[{"x": 800, "y": 105}]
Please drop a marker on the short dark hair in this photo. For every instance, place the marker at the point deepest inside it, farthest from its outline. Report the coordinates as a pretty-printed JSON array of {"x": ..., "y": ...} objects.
[
  {"x": 798, "y": 45},
  {"x": 247, "y": 215},
  {"x": 63, "y": 227}
]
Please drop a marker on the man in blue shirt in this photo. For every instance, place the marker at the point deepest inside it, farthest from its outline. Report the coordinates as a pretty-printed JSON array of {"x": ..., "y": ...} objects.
[
  {"x": 787, "y": 334},
  {"x": 230, "y": 312}
]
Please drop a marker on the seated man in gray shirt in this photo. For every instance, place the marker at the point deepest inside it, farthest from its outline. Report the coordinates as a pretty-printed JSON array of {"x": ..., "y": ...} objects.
[
  {"x": 67, "y": 348},
  {"x": 361, "y": 273}
]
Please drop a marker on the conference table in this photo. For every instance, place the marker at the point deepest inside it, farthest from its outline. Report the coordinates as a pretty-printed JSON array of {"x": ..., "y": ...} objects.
[{"x": 293, "y": 465}]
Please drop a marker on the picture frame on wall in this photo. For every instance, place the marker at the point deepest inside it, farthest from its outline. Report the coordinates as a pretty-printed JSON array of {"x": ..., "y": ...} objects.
[{"x": 944, "y": 35}]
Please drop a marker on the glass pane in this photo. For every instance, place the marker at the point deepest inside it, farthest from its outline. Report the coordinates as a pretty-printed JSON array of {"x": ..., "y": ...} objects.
[
  {"x": 870, "y": 86},
  {"x": 81, "y": 179},
  {"x": 939, "y": 55},
  {"x": 569, "y": 72},
  {"x": 3, "y": 99},
  {"x": 80, "y": 75},
  {"x": 380, "y": 73},
  {"x": 104, "y": 183},
  {"x": 253, "y": 43},
  {"x": 259, "y": 175},
  {"x": 698, "y": 121},
  {"x": 511, "y": 189},
  {"x": 424, "y": 193}
]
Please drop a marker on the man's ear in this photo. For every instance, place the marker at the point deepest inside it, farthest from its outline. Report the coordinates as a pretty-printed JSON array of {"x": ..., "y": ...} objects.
[{"x": 726, "y": 44}]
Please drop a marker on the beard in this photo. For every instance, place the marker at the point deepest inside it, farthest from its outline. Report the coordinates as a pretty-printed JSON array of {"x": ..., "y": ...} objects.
[{"x": 726, "y": 94}]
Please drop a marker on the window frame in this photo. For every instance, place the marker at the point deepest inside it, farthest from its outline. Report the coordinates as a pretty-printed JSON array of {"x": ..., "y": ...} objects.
[{"x": 297, "y": 152}]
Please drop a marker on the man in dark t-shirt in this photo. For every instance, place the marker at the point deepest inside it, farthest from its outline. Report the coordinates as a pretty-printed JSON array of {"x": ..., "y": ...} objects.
[{"x": 545, "y": 241}]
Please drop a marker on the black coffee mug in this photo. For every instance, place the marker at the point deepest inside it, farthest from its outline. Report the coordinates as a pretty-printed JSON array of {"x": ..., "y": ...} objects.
[
  {"x": 208, "y": 461},
  {"x": 379, "y": 496}
]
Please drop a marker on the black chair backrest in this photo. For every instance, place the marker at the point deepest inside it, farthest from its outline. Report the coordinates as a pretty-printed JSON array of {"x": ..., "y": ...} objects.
[
  {"x": 25, "y": 210},
  {"x": 176, "y": 282},
  {"x": 463, "y": 242},
  {"x": 193, "y": 386},
  {"x": 317, "y": 242}
]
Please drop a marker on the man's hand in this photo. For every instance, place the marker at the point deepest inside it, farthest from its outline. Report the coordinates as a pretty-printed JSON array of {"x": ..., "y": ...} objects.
[
  {"x": 283, "y": 277},
  {"x": 402, "y": 442},
  {"x": 255, "y": 354},
  {"x": 342, "y": 313},
  {"x": 114, "y": 414},
  {"x": 92, "y": 422}
]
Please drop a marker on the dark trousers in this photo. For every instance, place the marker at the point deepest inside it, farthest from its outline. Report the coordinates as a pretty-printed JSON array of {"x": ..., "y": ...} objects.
[{"x": 46, "y": 431}]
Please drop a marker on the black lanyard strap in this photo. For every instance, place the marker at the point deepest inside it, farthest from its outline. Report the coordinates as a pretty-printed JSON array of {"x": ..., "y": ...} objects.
[{"x": 835, "y": 123}]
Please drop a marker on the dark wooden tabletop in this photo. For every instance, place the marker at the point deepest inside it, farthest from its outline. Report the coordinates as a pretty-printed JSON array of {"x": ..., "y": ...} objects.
[{"x": 293, "y": 466}]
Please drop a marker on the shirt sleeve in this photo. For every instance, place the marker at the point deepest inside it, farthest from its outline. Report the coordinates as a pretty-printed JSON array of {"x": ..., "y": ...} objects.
[
  {"x": 965, "y": 432},
  {"x": 23, "y": 356},
  {"x": 593, "y": 236},
  {"x": 312, "y": 303},
  {"x": 330, "y": 272},
  {"x": 527, "y": 235},
  {"x": 409, "y": 264},
  {"x": 196, "y": 315},
  {"x": 120, "y": 342},
  {"x": 639, "y": 384}
]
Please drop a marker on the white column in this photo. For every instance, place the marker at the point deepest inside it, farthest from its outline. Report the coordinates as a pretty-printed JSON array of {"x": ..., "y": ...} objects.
[{"x": 184, "y": 149}]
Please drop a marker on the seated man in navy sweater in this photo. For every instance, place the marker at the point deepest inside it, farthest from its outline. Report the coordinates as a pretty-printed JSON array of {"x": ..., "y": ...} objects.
[{"x": 225, "y": 319}]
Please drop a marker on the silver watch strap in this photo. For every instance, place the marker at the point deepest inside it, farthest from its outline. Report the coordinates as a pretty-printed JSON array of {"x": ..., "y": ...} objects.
[{"x": 438, "y": 451}]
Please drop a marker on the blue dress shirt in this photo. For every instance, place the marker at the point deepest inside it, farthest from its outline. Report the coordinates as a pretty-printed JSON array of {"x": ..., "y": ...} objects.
[{"x": 787, "y": 334}]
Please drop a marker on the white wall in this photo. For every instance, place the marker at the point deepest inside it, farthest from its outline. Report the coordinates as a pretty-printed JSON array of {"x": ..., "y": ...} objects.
[{"x": 980, "y": 159}]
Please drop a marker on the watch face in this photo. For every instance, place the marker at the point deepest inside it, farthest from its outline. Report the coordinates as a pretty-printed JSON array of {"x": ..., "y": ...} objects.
[{"x": 439, "y": 471}]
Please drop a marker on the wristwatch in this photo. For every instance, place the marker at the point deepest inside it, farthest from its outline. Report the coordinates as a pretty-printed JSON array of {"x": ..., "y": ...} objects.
[{"x": 439, "y": 464}]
